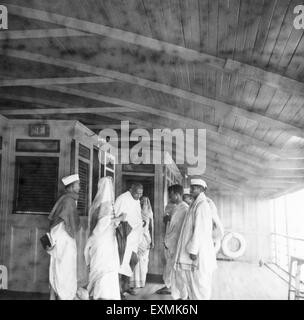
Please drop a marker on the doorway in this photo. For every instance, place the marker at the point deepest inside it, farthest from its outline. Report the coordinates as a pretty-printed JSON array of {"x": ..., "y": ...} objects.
[{"x": 146, "y": 181}]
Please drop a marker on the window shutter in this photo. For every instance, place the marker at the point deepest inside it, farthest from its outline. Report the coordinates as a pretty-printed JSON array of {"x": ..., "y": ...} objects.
[
  {"x": 36, "y": 184},
  {"x": 83, "y": 171}
]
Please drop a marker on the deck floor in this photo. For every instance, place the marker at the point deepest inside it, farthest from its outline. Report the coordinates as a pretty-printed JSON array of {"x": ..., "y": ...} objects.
[{"x": 232, "y": 281}]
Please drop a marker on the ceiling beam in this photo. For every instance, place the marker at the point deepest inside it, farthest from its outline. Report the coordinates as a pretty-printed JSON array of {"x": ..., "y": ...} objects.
[
  {"x": 134, "y": 120},
  {"x": 216, "y": 184},
  {"x": 189, "y": 122},
  {"x": 213, "y": 143},
  {"x": 221, "y": 148},
  {"x": 60, "y": 107},
  {"x": 41, "y": 33},
  {"x": 43, "y": 111},
  {"x": 187, "y": 95},
  {"x": 113, "y": 33},
  {"x": 250, "y": 177},
  {"x": 53, "y": 81},
  {"x": 116, "y": 126},
  {"x": 282, "y": 193},
  {"x": 223, "y": 181},
  {"x": 285, "y": 165},
  {"x": 226, "y": 65},
  {"x": 227, "y": 161}
]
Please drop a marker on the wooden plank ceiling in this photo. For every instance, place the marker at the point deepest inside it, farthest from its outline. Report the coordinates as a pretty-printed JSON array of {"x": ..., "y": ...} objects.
[{"x": 234, "y": 67}]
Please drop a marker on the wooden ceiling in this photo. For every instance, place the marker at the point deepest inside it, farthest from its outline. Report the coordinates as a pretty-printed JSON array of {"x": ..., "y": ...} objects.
[{"x": 233, "y": 67}]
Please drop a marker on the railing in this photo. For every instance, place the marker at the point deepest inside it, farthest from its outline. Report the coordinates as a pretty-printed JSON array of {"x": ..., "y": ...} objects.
[
  {"x": 3, "y": 277},
  {"x": 283, "y": 247}
]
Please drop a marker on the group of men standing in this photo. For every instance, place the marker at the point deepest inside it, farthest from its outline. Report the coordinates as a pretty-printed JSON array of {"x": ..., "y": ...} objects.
[
  {"x": 191, "y": 223},
  {"x": 113, "y": 261}
]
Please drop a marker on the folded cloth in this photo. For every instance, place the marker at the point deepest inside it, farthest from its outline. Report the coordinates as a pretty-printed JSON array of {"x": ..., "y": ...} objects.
[{"x": 122, "y": 232}]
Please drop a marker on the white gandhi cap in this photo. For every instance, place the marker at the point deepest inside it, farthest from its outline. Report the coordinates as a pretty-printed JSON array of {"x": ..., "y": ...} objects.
[
  {"x": 70, "y": 179},
  {"x": 198, "y": 182},
  {"x": 187, "y": 191}
]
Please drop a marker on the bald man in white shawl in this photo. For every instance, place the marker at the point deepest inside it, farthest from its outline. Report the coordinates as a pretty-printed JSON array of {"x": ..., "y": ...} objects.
[
  {"x": 129, "y": 204},
  {"x": 101, "y": 251},
  {"x": 196, "y": 257}
]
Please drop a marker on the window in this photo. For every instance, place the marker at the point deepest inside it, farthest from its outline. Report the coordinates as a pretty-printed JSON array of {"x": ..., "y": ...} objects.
[
  {"x": 95, "y": 173},
  {"x": 83, "y": 171},
  {"x": 84, "y": 152},
  {"x": 36, "y": 183}
]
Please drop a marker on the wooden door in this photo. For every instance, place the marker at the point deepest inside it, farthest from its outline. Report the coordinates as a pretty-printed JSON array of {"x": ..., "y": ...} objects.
[
  {"x": 146, "y": 181},
  {"x": 35, "y": 192}
]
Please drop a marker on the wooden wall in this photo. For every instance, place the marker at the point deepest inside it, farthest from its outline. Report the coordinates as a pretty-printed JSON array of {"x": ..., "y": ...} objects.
[
  {"x": 250, "y": 217},
  {"x": 20, "y": 247}
]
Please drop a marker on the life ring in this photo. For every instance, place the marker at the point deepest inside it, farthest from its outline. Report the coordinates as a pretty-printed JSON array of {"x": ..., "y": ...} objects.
[
  {"x": 217, "y": 244},
  {"x": 225, "y": 245}
]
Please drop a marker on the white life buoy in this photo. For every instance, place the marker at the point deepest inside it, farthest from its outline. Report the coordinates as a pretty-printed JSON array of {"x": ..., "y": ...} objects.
[{"x": 225, "y": 245}]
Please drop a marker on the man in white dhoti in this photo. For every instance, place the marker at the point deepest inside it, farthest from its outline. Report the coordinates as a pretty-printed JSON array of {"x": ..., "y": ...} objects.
[
  {"x": 101, "y": 251},
  {"x": 196, "y": 258},
  {"x": 172, "y": 234},
  {"x": 64, "y": 226},
  {"x": 129, "y": 204},
  {"x": 138, "y": 279}
]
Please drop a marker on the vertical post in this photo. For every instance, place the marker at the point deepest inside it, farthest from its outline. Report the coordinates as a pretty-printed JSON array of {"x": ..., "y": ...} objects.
[
  {"x": 297, "y": 281},
  {"x": 286, "y": 230},
  {"x": 290, "y": 278},
  {"x": 3, "y": 278},
  {"x": 275, "y": 234}
]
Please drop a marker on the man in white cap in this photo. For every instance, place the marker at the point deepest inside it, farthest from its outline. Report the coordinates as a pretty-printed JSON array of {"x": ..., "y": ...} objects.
[
  {"x": 64, "y": 224},
  {"x": 196, "y": 258}
]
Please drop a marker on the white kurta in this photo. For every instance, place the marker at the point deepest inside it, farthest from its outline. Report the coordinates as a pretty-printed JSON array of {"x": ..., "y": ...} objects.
[
  {"x": 63, "y": 264},
  {"x": 196, "y": 238},
  {"x": 171, "y": 238},
  {"x": 218, "y": 231},
  {"x": 125, "y": 203},
  {"x": 101, "y": 255},
  {"x": 138, "y": 279}
]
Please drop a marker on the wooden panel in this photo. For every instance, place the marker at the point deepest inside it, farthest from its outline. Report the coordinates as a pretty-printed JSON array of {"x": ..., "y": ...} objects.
[
  {"x": 263, "y": 99},
  {"x": 277, "y": 103},
  {"x": 250, "y": 217},
  {"x": 274, "y": 29},
  {"x": 29, "y": 262},
  {"x": 190, "y": 21},
  {"x": 283, "y": 36},
  {"x": 291, "y": 108}
]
